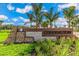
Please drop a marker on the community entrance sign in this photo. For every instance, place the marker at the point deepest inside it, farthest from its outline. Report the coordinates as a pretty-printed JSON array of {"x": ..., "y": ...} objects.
[
  {"x": 58, "y": 32},
  {"x": 24, "y": 35}
]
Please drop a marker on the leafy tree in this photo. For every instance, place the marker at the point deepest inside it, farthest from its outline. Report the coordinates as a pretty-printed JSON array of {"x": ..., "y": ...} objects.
[
  {"x": 51, "y": 16},
  {"x": 76, "y": 21},
  {"x": 1, "y": 21},
  {"x": 30, "y": 18},
  {"x": 36, "y": 16},
  {"x": 69, "y": 13},
  {"x": 45, "y": 24}
]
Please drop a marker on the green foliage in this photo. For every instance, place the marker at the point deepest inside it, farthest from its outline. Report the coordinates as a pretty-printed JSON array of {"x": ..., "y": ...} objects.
[
  {"x": 1, "y": 21},
  {"x": 77, "y": 48},
  {"x": 12, "y": 49},
  {"x": 15, "y": 49},
  {"x": 51, "y": 16},
  {"x": 36, "y": 16},
  {"x": 61, "y": 47},
  {"x": 44, "y": 47},
  {"x": 69, "y": 13},
  {"x": 4, "y": 35},
  {"x": 45, "y": 24}
]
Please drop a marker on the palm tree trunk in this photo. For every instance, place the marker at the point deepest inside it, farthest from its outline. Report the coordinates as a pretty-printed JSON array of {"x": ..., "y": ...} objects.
[
  {"x": 54, "y": 24},
  {"x": 37, "y": 25},
  {"x": 31, "y": 24},
  {"x": 73, "y": 26},
  {"x": 50, "y": 24},
  {"x": 69, "y": 23}
]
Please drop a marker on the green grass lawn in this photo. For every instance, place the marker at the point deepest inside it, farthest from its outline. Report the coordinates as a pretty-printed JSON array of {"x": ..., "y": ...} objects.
[
  {"x": 4, "y": 35},
  {"x": 13, "y": 49}
]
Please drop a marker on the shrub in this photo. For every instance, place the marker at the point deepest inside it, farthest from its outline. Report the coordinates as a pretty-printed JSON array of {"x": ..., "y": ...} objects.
[
  {"x": 44, "y": 47},
  {"x": 77, "y": 47},
  {"x": 62, "y": 49}
]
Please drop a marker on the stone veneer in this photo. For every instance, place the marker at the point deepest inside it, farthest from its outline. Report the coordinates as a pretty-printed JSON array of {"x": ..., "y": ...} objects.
[{"x": 38, "y": 35}]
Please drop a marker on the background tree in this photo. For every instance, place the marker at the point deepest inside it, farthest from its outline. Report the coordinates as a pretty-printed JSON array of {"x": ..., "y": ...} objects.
[
  {"x": 75, "y": 22},
  {"x": 51, "y": 16},
  {"x": 31, "y": 18},
  {"x": 45, "y": 24},
  {"x": 37, "y": 14},
  {"x": 1, "y": 21},
  {"x": 69, "y": 14}
]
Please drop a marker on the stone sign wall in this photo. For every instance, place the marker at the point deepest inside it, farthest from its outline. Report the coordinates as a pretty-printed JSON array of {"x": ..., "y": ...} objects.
[{"x": 24, "y": 35}]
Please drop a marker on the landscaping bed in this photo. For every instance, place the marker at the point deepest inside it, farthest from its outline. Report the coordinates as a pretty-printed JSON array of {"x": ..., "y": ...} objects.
[
  {"x": 44, "y": 47},
  {"x": 12, "y": 49}
]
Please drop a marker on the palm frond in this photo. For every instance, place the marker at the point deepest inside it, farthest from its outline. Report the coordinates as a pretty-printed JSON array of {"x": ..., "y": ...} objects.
[
  {"x": 51, "y": 11},
  {"x": 46, "y": 14},
  {"x": 55, "y": 16}
]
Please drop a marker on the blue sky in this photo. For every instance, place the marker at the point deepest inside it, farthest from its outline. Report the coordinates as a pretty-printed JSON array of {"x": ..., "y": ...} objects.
[{"x": 15, "y": 13}]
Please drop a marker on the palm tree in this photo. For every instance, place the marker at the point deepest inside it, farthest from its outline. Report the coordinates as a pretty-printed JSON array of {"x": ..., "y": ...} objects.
[
  {"x": 1, "y": 22},
  {"x": 69, "y": 13},
  {"x": 36, "y": 16},
  {"x": 45, "y": 24},
  {"x": 51, "y": 16},
  {"x": 30, "y": 18},
  {"x": 75, "y": 21},
  {"x": 37, "y": 13}
]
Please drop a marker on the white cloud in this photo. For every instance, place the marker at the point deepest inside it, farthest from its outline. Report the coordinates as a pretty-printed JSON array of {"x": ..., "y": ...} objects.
[
  {"x": 34, "y": 23},
  {"x": 5, "y": 23},
  {"x": 3, "y": 17},
  {"x": 44, "y": 10},
  {"x": 15, "y": 19},
  {"x": 61, "y": 21},
  {"x": 21, "y": 18},
  {"x": 10, "y": 7},
  {"x": 26, "y": 9},
  {"x": 60, "y": 7},
  {"x": 25, "y": 20},
  {"x": 77, "y": 14}
]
